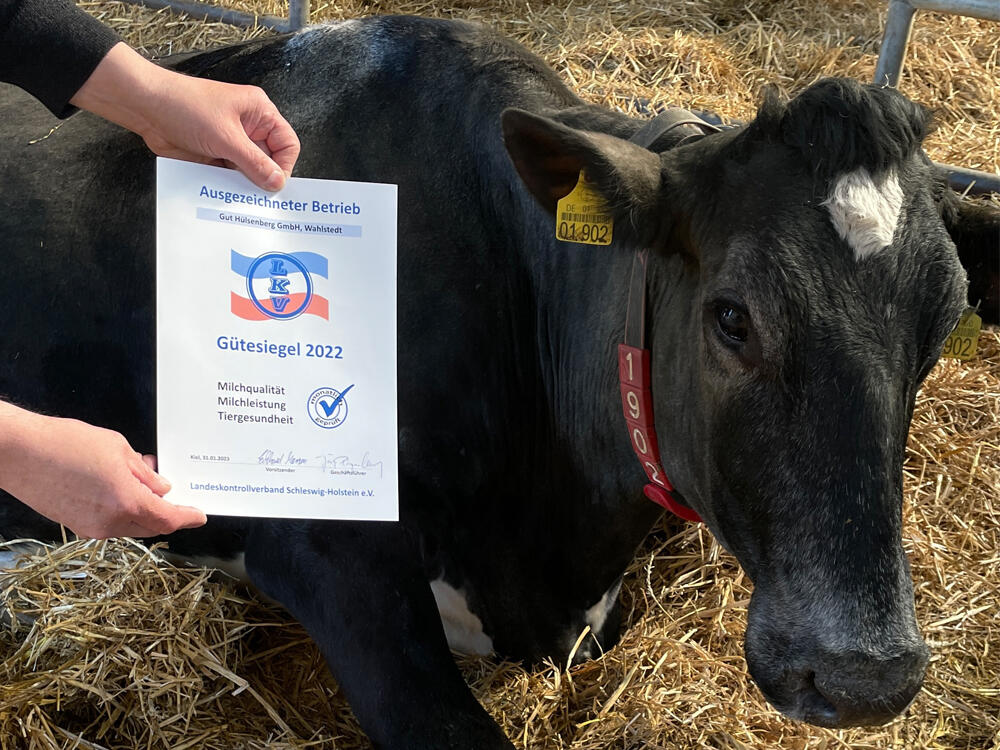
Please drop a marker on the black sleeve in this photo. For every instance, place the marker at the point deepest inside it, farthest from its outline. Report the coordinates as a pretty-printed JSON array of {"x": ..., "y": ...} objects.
[{"x": 49, "y": 48}]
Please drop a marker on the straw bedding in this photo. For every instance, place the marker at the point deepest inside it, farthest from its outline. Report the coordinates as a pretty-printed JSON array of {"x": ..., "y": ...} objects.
[{"x": 104, "y": 646}]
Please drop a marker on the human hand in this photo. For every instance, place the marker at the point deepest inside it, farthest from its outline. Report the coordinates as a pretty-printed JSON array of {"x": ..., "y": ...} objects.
[
  {"x": 87, "y": 478},
  {"x": 194, "y": 119}
]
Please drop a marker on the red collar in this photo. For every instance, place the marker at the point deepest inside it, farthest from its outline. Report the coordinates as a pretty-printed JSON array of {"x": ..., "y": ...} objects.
[{"x": 637, "y": 401}]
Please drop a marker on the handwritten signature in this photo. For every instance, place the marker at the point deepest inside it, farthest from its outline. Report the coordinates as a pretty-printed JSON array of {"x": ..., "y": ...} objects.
[
  {"x": 346, "y": 465},
  {"x": 287, "y": 458}
]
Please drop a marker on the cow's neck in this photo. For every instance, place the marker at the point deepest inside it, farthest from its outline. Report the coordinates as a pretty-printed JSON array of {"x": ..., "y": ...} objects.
[
  {"x": 581, "y": 302},
  {"x": 581, "y": 294}
]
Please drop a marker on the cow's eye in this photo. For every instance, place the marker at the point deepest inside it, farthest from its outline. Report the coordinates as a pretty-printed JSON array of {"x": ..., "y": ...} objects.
[{"x": 733, "y": 322}]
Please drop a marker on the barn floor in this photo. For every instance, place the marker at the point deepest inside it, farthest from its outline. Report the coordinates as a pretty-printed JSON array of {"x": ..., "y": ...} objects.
[{"x": 129, "y": 653}]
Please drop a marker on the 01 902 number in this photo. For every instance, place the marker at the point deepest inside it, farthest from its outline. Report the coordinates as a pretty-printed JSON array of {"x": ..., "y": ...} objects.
[
  {"x": 324, "y": 351},
  {"x": 572, "y": 231}
]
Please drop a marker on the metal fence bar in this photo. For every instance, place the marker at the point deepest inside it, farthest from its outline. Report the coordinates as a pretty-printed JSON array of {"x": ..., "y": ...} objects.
[
  {"x": 972, "y": 181},
  {"x": 298, "y": 13},
  {"x": 988, "y": 10},
  {"x": 898, "y": 25},
  {"x": 900, "y": 20}
]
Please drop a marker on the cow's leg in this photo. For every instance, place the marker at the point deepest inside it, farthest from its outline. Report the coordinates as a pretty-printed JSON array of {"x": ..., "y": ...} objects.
[{"x": 359, "y": 589}]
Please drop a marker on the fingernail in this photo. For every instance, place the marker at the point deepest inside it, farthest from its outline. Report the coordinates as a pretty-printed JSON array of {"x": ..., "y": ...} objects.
[{"x": 275, "y": 181}]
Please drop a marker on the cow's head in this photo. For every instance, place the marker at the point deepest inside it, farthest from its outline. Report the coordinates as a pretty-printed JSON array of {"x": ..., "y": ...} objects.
[{"x": 818, "y": 284}]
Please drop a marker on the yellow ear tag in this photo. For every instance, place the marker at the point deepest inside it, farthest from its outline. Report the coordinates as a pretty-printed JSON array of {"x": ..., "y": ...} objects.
[
  {"x": 583, "y": 216},
  {"x": 963, "y": 341}
]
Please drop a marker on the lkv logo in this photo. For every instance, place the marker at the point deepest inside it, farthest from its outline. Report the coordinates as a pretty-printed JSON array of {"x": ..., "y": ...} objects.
[{"x": 279, "y": 286}]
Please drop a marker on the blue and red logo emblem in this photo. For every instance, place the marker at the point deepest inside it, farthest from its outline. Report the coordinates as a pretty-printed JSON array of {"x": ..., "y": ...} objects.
[{"x": 279, "y": 286}]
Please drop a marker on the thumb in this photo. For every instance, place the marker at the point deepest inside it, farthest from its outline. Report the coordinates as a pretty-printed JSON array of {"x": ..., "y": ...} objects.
[
  {"x": 143, "y": 471},
  {"x": 247, "y": 157},
  {"x": 186, "y": 517}
]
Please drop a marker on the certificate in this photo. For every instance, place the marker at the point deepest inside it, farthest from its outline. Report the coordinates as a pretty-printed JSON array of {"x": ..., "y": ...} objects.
[{"x": 276, "y": 345}]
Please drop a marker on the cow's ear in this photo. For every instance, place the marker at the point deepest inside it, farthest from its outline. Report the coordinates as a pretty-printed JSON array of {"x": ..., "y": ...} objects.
[
  {"x": 549, "y": 156},
  {"x": 975, "y": 229}
]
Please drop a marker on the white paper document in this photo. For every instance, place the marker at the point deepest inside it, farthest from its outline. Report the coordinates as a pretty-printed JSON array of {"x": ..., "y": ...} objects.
[{"x": 276, "y": 345}]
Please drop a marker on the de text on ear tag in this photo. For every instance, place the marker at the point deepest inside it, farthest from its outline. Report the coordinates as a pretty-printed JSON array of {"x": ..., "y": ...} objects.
[
  {"x": 583, "y": 216},
  {"x": 964, "y": 340}
]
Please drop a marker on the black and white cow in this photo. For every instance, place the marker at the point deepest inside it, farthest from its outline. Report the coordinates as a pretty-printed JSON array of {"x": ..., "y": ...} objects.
[{"x": 801, "y": 278}]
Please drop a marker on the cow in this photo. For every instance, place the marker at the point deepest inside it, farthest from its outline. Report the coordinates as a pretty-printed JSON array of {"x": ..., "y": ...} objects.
[{"x": 788, "y": 284}]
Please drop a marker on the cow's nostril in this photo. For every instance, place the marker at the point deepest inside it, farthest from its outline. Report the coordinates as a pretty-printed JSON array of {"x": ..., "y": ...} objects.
[
  {"x": 814, "y": 706},
  {"x": 856, "y": 692}
]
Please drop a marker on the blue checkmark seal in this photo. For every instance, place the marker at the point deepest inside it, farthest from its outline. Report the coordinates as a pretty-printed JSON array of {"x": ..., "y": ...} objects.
[{"x": 327, "y": 407}]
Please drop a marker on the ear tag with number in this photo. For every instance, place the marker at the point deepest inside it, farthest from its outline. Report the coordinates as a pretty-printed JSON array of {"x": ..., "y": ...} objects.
[
  {"x": 583, "y": 216},
  {"x": 964, "y": 340}
]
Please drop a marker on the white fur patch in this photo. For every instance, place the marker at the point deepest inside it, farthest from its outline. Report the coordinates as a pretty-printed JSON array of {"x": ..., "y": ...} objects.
[
  {"x": 595, "y": 617},
  {"x": 462, "y": 628},
  {"x": 598, "y": 614},
  {"x": 865, "y": 210}
]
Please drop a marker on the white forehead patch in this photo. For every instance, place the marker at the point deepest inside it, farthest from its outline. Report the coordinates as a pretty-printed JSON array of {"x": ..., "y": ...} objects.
[{"x": 865, "y": 210}]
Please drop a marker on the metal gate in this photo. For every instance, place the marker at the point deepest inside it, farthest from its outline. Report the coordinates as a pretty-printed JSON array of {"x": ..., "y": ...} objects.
[
  {"x": 898, "y": 25},
  {"x": 298, "y": 13}
]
